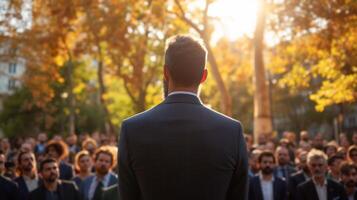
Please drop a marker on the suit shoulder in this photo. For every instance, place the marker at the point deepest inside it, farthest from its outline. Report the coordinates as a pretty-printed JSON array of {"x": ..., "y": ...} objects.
[
  {"x": 305, "y": 184},
  {"x": 334, "y": 183}
]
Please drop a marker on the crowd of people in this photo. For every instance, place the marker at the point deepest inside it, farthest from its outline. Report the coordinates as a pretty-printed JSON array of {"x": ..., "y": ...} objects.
[
  {"x": 310, "y": 168},
  {"x": 84, "y": 167},
  {"x": 70, "y": 168}
]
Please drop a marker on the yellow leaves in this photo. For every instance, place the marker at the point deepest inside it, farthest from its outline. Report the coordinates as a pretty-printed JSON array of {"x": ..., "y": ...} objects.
[
  {"x": 342, "y": 90},
  {"x": 297, "y": 78}
]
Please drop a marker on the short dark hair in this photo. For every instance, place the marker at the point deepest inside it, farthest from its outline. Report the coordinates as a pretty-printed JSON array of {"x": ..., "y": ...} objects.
[
  {"x": 45, "y": 161},
  {"x": 185, "y": 59},
  {"x": 266, "y": 154},
  {"x": 333, "y": 158},
  {"x": 346, "y": 168}
]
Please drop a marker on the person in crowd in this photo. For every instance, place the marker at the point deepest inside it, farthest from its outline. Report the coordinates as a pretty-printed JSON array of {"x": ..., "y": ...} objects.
[
  {"x": 265, "y": 186},
  {"x": 190, "y": 142},
  {"x": 354, "y": 138},
  {"x": 299, "y": 177},
  {"x": 249, "y": 141},
  {"x": 343, "y": 139},
  {"x": 10, "y": 169},
  {"x": 349, "y": 179},
  {"x": 318, "y": 141},
  {"x": 8, "y": 189},
  {"x": 53, "y": 188},
  {"x": 284, "y": 169},
  {"x": 342, "y": 151},
  {"x": 304, "y": 136},
  {"x": 83, "y": 166},
  {"x": 334, "y": 163},
  {"x": 27, "y": 179},
  {"x": 41, "y": 143},
  {"x": 89, "y": 145},
  {"x": 72, "y": 146},
  {"x": 318, "y": 187},
  {"x": 253, "y": 162},
  {"x": 331, "y": 149},
  {"x": 352, "y": 154},
  {"x": 58, "y": 150},
  {"x": 93, "y": 186},
  {"x": 2, "y": 162}
]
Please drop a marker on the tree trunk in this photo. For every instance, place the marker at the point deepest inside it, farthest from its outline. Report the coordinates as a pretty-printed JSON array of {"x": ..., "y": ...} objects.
[
  {"x": 226, "y": 103},
  {"x": 262, "y": 111},
  {"x": 71, "y": 99}
]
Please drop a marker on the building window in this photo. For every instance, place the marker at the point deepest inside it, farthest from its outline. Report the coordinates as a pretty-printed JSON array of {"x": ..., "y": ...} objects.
[
  {"x": 11, "y": 84},
  {"x": 12, "y": 68}
]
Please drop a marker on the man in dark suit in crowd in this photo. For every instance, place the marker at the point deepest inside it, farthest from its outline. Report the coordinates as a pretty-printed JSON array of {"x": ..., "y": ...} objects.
[
  {"x": 28, "y": 179},
  {"x": 299, "y": 177},
  {"x": 265, "y": 186},
  {"x": 348, "y": 173},
  {"x": 93, "y": 186},
  {"x": 318, "y": 187},
  {"x": 181, "y": 149},
  {"x": 53, "y": 188},
  {"x": 58, "y": 150},
  {"x": 8, "y": 189},
  {"x": 284, "y": 169}
]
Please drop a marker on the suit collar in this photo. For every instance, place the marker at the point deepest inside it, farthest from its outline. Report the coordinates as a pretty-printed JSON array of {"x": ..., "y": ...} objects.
[{"x": 182, "y": 98}]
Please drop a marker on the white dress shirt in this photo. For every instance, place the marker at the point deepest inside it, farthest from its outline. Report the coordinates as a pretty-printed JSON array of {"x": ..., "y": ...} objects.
[
  {"x": 182, "y": 92},
  {"x": 267, "y": 188},
  {"x": 321, "y": 190},
  {"x": 31, "y": 183}
]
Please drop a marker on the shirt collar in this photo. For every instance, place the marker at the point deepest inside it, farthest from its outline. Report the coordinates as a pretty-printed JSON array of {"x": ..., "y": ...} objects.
[
  {"x": 182, "y": 92},
  {"x": 261, "y": 177},
  {"x": 105, "y": 180},
  {"x": 316, "y": 184}
]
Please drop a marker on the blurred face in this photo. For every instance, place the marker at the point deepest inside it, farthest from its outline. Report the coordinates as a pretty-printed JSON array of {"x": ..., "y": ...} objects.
[
  {"x": 318, "y": 142},
  {"x": 330, "y": 151},
  {"x": 303, "y": 162},
  {"x": 103, "y": 163},
  {"x": 85, "y": 163},
  {"x": 267, "y": 165},
  {"x": 318, "y": 167},
  {"x": 52, "y": 153},
  {"x": 90, "y": 148},
  {"x": 253, "y": 162},
  {"x": 2, "y": 163},
  {"x": 335, "y": 167},
  {"x": 354, "y": 138},
  {"x": 350, "y": 179},
  {"x": 72, "y": 140},
  {"x": 50, "y": 172},
  {"x": 353, "y": 156},
  {"x": 283, "y": 156},
  {"x": 42, "y": 138},
  {"x": 27, "y": 162}
]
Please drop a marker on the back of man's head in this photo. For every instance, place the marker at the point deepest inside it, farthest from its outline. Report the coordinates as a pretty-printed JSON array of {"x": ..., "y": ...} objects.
[{"x": 185, "y": 59}]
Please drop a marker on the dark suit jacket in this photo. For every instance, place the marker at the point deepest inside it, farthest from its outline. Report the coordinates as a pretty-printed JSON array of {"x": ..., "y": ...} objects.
[
  {"x": 289, "y": 170},
  {"x": 111, "y": 193},
  {"x": 67, "y": 191},
  {"x": 307, "y": 191},
  {"x": 86, "y": 183},
  {"x": 23, "y": 190},
  {"x": 182, "y": 150},
  {"x": 66, "y": 171},
  {"x": 295, "y": 179},
  {"x": 256, "y": 191},
  {"x": 8, "y": 189}
]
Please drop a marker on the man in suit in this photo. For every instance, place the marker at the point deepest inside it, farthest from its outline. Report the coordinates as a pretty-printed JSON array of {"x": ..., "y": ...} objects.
[
  {"x": 53, "y": 188},
  {"x": 93, "y": 186},
  {"x": 318, "y": 187},
  {"x": 284, "y": 169},
  {"x": 111, "y": 193},
  {"x": 28, "y": 179},
  {"x": 8, "y": 189},
  {"x": 265, "y": 186},
  {"x": 181, "y": 149},
  {"x": 58, "y": 150},
  {"x": 299, "y": 177},
  {"x": 349, "y": 179}
]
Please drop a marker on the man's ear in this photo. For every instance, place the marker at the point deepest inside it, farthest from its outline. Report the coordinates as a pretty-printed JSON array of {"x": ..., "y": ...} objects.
[
  {"x": 204, "y": 75},
  {"x": 166, "y": 73}
]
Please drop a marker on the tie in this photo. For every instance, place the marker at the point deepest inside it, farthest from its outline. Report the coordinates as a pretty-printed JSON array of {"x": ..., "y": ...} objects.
[{"x": 98, "y": 191}]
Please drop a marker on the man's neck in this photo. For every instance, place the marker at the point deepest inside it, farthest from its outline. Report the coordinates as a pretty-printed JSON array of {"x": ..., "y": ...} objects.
[
  {"x": 183, "y": 89},
  {"x": 29, "y": 174},
  {"x": 267, "y": 177},
  {"x": 100, "y": 177},
  {"x": 51, "y": 186}
]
